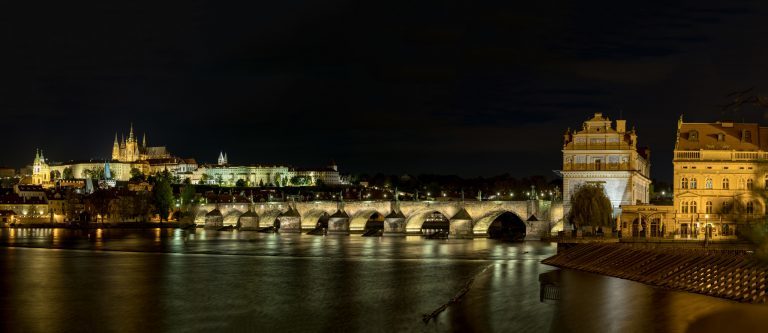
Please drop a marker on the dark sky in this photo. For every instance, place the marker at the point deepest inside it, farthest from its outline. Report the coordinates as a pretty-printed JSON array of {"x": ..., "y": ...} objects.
[{"x": 475, "y": 88}]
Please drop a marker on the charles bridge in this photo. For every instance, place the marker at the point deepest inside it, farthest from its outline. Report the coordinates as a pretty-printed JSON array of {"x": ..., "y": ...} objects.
[{"x": 466, "y": 219}]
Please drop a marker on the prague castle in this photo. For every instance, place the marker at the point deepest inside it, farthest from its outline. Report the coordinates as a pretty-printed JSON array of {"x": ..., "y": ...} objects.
[
  {"x": 129, "y": 154},
  {"x": 131, "y": 151}
]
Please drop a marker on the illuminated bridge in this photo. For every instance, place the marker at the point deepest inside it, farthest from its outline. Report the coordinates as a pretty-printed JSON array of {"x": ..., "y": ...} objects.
[{"x": 461, "y": 220}]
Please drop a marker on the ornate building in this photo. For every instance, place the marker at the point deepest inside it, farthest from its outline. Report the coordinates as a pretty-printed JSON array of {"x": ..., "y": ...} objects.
[
  {"x": 602, "y": 154},
  {"x": 131, "y": 151},
  {"x": 41, "y": 172},
  {"x": 718, "y": 170}
]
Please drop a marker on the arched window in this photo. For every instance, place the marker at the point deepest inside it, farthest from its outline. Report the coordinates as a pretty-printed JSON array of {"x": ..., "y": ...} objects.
[
  {"x": 708, "y": 183},
  {"x": 693, "y": 183},
  {"x": 693, "y": 207},
  {"x": 750, "y": 184},
  {"x": 709, "y": 207},
  {"x": 684, "y": 183},
  {"x": 750, "y": 207},
  {"x": 726, "y": 207},
  {"x": 684, "y": 207},
  {"x": 726, "y": 183}
]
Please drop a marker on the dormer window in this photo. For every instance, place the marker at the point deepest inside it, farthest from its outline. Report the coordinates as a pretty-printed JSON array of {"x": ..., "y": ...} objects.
[
  {"x": 720, "y": 137},
  {"x": 746, "y": 136},
  {"x": 693, "y": 136}
]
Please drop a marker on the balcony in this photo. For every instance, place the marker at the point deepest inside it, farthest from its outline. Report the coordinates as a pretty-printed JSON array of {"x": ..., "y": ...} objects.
[
  {"x": 595, "y": 167},
  {"x": 720, "y": 155}
]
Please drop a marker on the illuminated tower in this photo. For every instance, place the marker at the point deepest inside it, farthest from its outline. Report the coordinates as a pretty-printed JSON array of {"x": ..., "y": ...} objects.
[
  {"x": 41, "y": 172},
  {"x": 116, "y": 149}
]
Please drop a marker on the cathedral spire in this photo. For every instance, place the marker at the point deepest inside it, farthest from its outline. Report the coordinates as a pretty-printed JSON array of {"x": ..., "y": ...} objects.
[
  {"x": 116, "y": 139},
  {"x": 130, "y": 135},
  {"x": 144, "y": 140}
]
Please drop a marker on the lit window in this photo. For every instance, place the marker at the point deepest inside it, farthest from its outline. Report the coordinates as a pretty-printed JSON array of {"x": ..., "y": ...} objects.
[
  {"x": 693, "y": 183},
  {"x": 709, "y": 207},
  {"x": 684, "y": 183},
  {"x": 708, "y": 183},
  {"x": 726, "y": 183}
]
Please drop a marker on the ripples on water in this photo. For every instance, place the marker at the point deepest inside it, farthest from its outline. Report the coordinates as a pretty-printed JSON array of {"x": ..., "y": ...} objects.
[{"x": 172, "y": 280}]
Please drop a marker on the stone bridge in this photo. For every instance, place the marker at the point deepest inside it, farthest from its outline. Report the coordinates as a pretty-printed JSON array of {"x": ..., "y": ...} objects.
[{"x": 404, "y": 217}]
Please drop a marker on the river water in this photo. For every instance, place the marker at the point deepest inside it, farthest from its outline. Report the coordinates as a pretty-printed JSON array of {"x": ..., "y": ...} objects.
[{"x": 170, "y": 280}]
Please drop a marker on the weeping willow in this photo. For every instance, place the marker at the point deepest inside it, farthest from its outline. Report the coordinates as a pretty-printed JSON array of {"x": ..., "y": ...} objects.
[{"x": 590, "y": 206}]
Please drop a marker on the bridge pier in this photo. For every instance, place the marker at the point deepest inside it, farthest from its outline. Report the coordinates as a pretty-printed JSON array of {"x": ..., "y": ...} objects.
[
  {"x": 214, "y": 220},
  {"x": 460, "y": 225},
  {"x": 394, "y": 224},
  {"x": 338, "y": 223},
  {"x": 249, "y": 221},
  {"x": 290, "y": 221}
]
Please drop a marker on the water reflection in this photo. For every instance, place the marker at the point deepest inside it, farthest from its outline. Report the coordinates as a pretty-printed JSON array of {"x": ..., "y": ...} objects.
[{"x": 176, "y": 280}]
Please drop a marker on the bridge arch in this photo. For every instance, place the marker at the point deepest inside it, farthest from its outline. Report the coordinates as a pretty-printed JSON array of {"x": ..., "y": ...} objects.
[
  {"x": 232, "y": 216},
  {"x": 310, "y": 219},
  {"x": 482, "y": 224},
  {"x": 269, "y": 217},
  {"x": 415, "y": 220},
  {"x": 358, "y": 220}
]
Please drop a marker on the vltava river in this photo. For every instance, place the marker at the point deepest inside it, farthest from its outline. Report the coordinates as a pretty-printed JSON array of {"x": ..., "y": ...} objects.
[{"x": 171, "y": 280}]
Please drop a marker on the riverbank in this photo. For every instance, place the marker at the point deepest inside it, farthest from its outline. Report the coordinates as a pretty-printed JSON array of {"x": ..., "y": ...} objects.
[{"x": 720, "y": 272}]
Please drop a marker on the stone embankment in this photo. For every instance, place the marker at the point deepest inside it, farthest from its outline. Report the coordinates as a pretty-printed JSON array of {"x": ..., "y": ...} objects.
[{"x": 730, "y": 274}]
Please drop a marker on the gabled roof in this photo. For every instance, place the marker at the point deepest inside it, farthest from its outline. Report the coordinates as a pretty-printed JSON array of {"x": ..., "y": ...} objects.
[
  {"x": 339, "y": 213},
  {"x": 394, "y": 214},
  {"x": 462, "y": 215},
  {"x": 735, "y": 136}
]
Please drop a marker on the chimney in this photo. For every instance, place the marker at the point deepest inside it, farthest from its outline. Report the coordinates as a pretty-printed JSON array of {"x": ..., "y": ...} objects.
[{"x": 621, "y": 126}]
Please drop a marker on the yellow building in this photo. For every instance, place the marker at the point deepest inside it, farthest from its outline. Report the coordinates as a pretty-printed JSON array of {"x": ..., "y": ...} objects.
[{"x": 720, "y": 174}]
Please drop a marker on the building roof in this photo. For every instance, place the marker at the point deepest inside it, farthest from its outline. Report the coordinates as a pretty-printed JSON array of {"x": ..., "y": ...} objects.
[
  {"x": 462, "y": 215},
  {"x": 722, "y": 136},
  {"x": 213, "y": 213},
  {"x": 339, "y": 213},
  {"x": 394, "y": 214},
  {"x": 249, "y": 213}
]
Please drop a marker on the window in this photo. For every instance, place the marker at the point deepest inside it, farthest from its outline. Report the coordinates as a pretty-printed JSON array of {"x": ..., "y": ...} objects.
[
  {"x": 684, "y": 183},
  {"x": 708, "y": 207},
  {"x": 693, "y": 207},
  {"x": 708, "y": 183},
  {"x": 685, "y": 207},
  {"x": 748, "y": 136},
  {"x": 742, "y": 183},
  {"x": 750, "y": 207},
  {"x": 726, "y": 183},
  {"x": 750, "y": 184},
  {"x": 598, "y": 164},
  {"x": 693, "y": 136},
  {"x": 720, "y": 137},
  {"x": 693, "y": 183}
]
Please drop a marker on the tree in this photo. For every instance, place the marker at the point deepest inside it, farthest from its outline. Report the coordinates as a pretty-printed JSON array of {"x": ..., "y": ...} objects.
[
  {"x": 590, "y": 206},
  {"x": 95, "y": 173},
  {"x": 137, "y": 175},
  {"x": 240, "y": 183},
  {"x": 204, "y": 178},
  {"x": 300, "y": 180},
  {"x": 162, "y": 195},
  {"x": 67, "y": 174}
]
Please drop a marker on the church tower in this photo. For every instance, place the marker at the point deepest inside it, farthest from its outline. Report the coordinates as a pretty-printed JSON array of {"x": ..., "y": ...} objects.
[
  {"x": 116, "y": 149},
  {"x": 41, "y": 172}
]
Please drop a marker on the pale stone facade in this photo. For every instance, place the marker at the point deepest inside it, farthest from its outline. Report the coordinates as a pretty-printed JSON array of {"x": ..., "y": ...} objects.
[{"x": 603, "y": 154}]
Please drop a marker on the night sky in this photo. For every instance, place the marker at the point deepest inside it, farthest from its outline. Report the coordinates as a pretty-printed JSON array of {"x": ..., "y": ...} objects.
[{"x": 474, "y": 89}]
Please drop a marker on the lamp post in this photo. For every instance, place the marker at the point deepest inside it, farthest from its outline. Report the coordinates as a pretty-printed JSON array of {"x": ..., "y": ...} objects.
[{"x": 706, "y": 230}]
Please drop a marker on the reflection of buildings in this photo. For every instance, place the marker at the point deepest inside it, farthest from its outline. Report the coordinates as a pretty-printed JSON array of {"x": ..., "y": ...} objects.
[
  {"x": 718, "y": 170},
  {"x": 602, "y": 154}
]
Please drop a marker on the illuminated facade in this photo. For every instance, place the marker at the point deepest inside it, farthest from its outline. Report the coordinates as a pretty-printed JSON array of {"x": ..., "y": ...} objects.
[
  {"x": 602, "y": 154},
  {"x": 131, "y": 151},
  {"x": 720, "y": 172}
]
